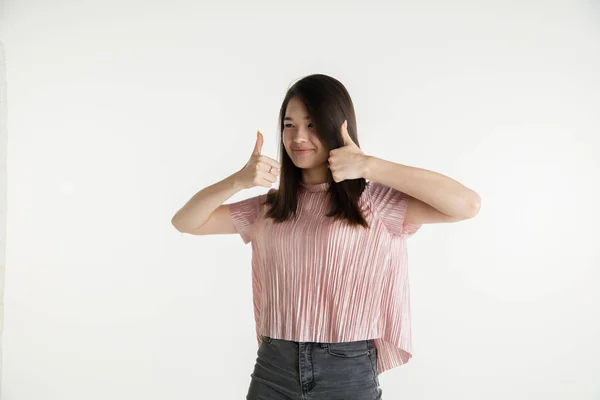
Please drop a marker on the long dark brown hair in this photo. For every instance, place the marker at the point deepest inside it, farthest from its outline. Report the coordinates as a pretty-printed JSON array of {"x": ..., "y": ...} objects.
[{"x": 328, "y": 103}]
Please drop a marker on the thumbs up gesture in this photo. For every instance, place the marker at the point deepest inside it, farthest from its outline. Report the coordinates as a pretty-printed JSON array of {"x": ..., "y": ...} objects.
[
  {"x": 260, "y": 170},
  {"x": 348, "y": 161}
]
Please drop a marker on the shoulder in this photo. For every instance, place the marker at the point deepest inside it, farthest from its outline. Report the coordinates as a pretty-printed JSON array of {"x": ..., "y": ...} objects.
[
  {"x": 376, "y": 187},
  {"x": 378, "y": 193},
  {"x": 249, "y": 205}
]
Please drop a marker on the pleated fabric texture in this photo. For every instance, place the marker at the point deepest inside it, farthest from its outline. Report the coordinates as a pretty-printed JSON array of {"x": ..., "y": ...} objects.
[{"x": 321, "y": 280}]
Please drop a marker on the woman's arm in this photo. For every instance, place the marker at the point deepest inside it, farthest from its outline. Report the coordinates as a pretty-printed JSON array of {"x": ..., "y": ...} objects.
[
  {"x": 205, "y": 213},
  {"x": 434, "y": 197}
]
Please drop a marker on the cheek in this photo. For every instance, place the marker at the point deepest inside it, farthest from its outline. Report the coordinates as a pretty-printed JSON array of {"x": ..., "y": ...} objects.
[
  {"x": 286, "y": 142},
  {"x": 324, "y": 155}
]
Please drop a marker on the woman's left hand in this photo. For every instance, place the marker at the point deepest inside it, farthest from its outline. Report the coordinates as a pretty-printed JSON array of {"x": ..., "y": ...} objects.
[{"x": 348, "y": 161}]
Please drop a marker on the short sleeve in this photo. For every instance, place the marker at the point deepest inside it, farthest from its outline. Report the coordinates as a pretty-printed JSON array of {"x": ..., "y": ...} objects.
[
  {"x": 244, "y": 215},
  {"x": 390, "y": 206}
]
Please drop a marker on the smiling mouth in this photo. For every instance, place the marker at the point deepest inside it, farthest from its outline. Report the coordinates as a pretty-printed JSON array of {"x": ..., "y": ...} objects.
[{"x": 306, "y": 151}]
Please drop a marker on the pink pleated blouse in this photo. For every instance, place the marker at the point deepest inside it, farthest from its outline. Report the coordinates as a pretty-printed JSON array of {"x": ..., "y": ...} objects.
[{"x": 319, "y": 280}]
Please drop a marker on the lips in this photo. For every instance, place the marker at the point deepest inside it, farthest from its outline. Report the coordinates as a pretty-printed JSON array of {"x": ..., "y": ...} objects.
[{"x": 301, "y": 153}]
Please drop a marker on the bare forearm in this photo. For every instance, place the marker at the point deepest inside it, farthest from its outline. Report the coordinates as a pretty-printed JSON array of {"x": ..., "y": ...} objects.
[
  {"x": 199, "y": 208},
  {"x": 439, "y": 191}
]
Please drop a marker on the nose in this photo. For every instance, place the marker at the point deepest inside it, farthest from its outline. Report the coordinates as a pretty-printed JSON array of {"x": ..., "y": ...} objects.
[{"x": 301, "y": 135}]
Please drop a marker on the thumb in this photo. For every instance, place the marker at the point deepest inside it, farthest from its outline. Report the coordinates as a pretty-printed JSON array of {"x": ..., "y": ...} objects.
[
  {"x": 345, "y": 135},
  {"x": 259, "y": 143}
]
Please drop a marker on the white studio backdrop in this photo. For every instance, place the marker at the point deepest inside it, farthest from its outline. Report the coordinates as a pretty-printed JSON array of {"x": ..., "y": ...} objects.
[{"x": 119, "y": 111}]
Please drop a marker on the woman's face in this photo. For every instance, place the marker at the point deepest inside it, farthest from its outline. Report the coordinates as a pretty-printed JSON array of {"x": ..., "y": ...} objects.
[{"x": 300, "y": 138}]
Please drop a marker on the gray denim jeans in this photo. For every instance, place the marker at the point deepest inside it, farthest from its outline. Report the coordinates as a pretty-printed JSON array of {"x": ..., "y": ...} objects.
[{"x": 288, "y": 370}]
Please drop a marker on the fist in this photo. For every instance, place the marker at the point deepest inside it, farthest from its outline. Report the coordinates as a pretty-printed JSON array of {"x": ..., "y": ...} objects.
[{"x": 260, "y": 170}]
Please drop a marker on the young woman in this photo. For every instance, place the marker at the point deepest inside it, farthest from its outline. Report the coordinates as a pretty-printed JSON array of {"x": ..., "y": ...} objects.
[{"x": 329, "y": 264}]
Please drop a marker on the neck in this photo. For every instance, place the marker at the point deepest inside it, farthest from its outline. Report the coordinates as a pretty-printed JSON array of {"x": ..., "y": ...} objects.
[{"x": 315, "y": 176}]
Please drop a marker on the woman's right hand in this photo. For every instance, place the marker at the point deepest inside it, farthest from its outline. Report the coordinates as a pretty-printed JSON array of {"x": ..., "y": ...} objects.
[{"x": 259, "y": 170}]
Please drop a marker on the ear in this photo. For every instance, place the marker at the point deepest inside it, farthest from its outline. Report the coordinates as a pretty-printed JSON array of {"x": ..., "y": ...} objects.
[{"x": 345, "y": 135}]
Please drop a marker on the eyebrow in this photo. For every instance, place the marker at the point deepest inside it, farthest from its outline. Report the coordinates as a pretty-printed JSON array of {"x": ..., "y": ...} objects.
[{"x": 290, "y": 118}]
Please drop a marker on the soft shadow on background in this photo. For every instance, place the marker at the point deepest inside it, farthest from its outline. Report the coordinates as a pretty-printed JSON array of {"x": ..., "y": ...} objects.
[{"x": 118, "y": 112}]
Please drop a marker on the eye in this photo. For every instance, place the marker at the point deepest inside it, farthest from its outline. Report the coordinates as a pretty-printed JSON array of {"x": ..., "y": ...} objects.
[{"x": 290, "y": 125}]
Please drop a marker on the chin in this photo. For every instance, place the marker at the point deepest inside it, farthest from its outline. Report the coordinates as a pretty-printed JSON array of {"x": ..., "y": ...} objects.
[
  {"x": 308, "y": 165},
  {"x": 304, "y": 165}
]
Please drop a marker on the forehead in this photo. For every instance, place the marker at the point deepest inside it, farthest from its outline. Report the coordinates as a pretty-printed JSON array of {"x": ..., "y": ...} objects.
[{"x": 296, "y": 109}]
